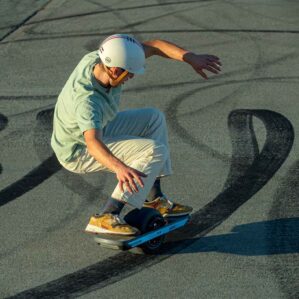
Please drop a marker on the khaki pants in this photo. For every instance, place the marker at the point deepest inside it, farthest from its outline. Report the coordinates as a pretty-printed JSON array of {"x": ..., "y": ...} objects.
[{"x": 139, "y": 138}]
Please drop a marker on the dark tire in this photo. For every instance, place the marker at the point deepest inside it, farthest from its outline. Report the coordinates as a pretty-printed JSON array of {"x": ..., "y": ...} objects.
[
  {"x": 154, "y": 246},
  {"x": 147, "y": 219}
]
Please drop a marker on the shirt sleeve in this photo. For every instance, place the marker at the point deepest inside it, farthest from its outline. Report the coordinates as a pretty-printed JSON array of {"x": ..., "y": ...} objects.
[{"x": 89, "y": 115}]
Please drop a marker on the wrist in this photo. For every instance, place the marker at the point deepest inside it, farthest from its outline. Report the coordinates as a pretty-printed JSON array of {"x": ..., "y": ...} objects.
[
  {"x": 116, "y": 165},
  {"x": 188, "y": 57}
]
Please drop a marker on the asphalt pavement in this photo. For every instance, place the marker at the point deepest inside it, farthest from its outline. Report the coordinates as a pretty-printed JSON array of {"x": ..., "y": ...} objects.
[{"x": 233, "y": 145}]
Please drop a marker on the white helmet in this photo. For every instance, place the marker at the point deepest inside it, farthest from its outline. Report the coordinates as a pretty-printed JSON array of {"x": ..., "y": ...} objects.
[{"x": 124, "y": 51}]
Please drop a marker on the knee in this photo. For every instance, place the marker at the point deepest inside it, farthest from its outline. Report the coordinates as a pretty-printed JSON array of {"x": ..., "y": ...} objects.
[
  {"x": 160, "y": 151},
  {"x": 156, "y": 115}
]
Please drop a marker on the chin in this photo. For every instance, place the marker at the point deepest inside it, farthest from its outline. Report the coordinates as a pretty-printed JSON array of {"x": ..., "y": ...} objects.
[{"x": 115, "y": 84}]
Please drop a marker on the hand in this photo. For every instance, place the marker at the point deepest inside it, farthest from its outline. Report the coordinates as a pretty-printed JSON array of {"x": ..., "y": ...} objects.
[
  {"x": 199, "y": 63},
  {"x": 129, "y": 176}
]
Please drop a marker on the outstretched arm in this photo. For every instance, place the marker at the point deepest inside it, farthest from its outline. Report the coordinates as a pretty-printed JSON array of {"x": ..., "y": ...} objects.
[{"x": 169, "y": 50}]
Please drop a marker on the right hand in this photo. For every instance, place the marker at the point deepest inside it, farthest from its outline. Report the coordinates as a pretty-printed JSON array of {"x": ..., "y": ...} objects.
[
  {"x": 128, "y": 176},
  {"x": 199, "y": 63}
]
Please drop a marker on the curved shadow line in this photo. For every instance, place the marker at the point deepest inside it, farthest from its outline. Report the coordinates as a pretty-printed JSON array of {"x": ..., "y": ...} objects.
[
  {"x": 92, "y": 44},
  {"x": 30, "y": 111},
  {"x": 183, "y": 133},
  {"x": 33, "y": 97},
  {"x": 118, "y": 15},
  {"x": 172, "y": 114},
  {"x": 213, "y": 83},
  {"x": 240, "y": 7},
  {"x": 32, "y": 32},
  {"x": 180, "y": 83},
  {"x": 42, "y": 135},
  {"x": 184, "y": 31},
  {"x": 13, "y": 28},
  {"x": 285, "y": 206},
  {"x": 90, "y": 193},
  {"x": 115, "y": 13},
  {"x": 245, "y": 178},
  {"x": 9, "y": 191},
  {"x": 3, "y": 121},
  {"x": 230, "y": 82},
  {"x": 47, "y": 168},
  {"x": 280, "y": 136},
  {"x": 3, "y": 124},
  {"x": 32, "y": 179},
  {"x": 112, "y": 10}
]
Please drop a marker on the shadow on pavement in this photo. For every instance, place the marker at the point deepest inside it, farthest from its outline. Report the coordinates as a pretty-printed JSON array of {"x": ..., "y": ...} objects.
[
  {"x": 250, "y": 170},
  {"x": 279, "y": 236}
]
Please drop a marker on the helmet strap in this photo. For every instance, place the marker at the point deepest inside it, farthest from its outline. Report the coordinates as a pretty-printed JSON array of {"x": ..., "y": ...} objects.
[
  {"x": 116, "y": 81},
  {"x": 119, "y": 78}
]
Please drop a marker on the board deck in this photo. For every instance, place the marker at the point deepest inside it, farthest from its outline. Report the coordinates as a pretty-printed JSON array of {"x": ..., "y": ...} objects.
[{"x": 127, "y": 242}]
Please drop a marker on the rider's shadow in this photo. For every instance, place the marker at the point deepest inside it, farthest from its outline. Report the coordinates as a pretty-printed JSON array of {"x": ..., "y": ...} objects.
[{"x": 279, "y": 236}]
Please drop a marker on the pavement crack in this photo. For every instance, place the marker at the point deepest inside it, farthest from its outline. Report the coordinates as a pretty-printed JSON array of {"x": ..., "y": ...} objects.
[{"x": 23, "y": 22}]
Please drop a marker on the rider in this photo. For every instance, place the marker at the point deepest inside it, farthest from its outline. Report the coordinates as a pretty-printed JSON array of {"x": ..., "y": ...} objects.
[{"x": 90, "y": 134}]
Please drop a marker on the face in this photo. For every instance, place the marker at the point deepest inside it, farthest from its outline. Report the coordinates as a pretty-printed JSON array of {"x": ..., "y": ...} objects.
[{"x": 119, "y": 76}]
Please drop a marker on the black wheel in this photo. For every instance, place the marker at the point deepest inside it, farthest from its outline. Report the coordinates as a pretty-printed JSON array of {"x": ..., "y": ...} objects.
[
  {"x": 153, "y": 246},
  {"x": 147, "y": 219}
]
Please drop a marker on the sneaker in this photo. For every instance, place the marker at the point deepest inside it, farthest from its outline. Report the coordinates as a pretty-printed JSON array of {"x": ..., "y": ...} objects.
[
  {"x": 109, "y": 224},
  {"x": 168, "y": 208}
]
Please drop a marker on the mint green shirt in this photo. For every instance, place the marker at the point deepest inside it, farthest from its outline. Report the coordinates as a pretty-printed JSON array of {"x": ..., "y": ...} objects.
[{"x": 83, "y": 104}]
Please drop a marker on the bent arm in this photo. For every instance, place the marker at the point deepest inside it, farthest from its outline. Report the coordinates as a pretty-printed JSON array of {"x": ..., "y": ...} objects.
[
  {"x": 125, "y": 174},
  {"x": 100, "y": 151}
]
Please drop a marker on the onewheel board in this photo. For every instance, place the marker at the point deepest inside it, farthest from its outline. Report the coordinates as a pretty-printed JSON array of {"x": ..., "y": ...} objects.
[{"x": 151, "y": 238}]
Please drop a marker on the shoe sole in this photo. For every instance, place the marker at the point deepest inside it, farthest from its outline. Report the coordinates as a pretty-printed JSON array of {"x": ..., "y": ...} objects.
[{"x": 99, "y": 230}]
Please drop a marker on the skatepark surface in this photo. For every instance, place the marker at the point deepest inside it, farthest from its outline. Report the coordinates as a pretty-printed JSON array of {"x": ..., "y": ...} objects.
[{"x": 232, "y": 138}]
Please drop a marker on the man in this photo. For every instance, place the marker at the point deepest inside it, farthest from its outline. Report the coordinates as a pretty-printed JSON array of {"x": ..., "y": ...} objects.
[{"x": 90, "y": 134}]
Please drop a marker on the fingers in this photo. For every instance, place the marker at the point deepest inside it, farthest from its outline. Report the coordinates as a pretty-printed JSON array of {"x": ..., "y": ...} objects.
[
  {"x": 121, "y": 187},
  {"x": 131, "y": 180},
  {"x": 214, "y": 65},
  {"x": 214, "y": 59},
  {"x": 139, "y": 173},
  {"x": 139, "y": 180},
  {"x": 210, "y": 63},
  {"x": 134, "y": 186},
  {"x": 200, "y": 71},
  {"x": 129, "y": 187},
  {"x": 211, "y": 69},
  {"x": 137, "y": 176},
  {"x": 218, "y": 62}
]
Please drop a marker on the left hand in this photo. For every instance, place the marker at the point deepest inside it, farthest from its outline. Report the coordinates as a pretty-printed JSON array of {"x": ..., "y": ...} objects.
[{"x": 199, "y": 63}]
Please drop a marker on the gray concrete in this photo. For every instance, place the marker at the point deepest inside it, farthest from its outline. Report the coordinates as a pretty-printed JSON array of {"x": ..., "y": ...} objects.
[{"x": 246, "y": 251}]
